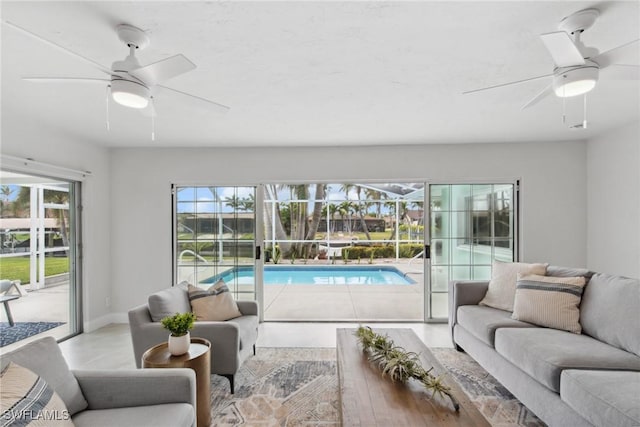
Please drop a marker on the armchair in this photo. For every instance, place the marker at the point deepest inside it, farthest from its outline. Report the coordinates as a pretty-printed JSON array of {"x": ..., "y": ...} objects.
[
  {"x": 97, "y": 398},
  {"x": 232, "y": 341}
]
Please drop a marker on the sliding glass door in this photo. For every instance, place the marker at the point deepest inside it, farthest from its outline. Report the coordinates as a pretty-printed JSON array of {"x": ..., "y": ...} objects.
[
  {"x": 471, "y": 226},
  {"x": 39, "y": 257},
  {"x": 215, "y": 237},
  {"x": 344, "y": 251}
]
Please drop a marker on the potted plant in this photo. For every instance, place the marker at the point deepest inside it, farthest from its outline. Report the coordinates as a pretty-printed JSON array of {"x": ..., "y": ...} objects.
[{"x": 179, "y": 325}]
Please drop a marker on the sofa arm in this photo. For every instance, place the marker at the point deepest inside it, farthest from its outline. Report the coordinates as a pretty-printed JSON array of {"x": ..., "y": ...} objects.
[
  {"x": 106, "y": 389},
  {"x": 248, "y": 308},
  {"x": 464, "y": 292}
]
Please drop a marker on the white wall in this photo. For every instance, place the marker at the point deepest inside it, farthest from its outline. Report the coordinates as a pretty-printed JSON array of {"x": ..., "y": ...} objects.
[
  {"x": 553, "y": 193},
  {"x": 30, "y": 140},
  {"x": 613, "y": 202}
]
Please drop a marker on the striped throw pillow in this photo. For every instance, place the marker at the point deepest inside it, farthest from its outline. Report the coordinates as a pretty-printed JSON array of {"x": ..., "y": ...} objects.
[
  {"x": 215, "y": 303},
  {"x": 27, "y": 399},
  {"x": 549, "y": 301}
]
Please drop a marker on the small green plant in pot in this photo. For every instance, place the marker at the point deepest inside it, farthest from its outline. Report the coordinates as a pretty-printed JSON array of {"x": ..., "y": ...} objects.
[{"x": 179, "y": 325}]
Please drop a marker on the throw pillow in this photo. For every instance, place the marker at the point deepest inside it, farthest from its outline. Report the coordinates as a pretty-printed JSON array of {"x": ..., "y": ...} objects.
[
  {"x": 549, "y": 301},
  {"x": 26, "y": 398},
  {"x": 502, "y": 287},
  {"x": 215, "y": 303}
]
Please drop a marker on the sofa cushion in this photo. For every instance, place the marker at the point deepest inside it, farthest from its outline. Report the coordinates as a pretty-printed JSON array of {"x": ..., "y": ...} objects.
[
  {"x": 556, "y": 271},
  {"x": 213, "y": 304},
  {"x": 168, "y": 302},
  {"x": 502, "y": 287},
  {"x": 482, "y": 322},
  {"x": 549, "y": 301},
  {"x": 609, "y": 311},
  {"x": 545, "y": 353},
  {"x": 604, "y": 398},
  {"x": 44, "y": 357},
  {"x": 167, "y": 415},
  {"x": 26, "y": 398}
]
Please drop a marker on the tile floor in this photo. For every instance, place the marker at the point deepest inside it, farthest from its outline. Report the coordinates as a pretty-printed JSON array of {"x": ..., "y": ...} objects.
[{"x": 110, "y": 347}]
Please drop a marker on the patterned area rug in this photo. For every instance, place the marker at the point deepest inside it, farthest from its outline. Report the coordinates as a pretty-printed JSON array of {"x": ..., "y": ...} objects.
[
  {"x": 22, "y": 330},
  {"x": 280, "y": 387},
  {"x": 494, "y": 401},
  {"x": 299, "y": 387}
]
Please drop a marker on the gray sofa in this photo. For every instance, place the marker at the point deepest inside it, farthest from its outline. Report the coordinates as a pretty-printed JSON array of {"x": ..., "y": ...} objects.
[
  {"x": 232, "y": 341},
  {"x": 97, "y": 398},
  {"x": 566, "y": 379}
]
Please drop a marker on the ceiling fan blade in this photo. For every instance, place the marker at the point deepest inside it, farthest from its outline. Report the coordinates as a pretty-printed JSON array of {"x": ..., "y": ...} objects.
[
  {"x": 60, "y": 48},
  {"x": 507, "y": 84},
  {"x": 562, "y": 49},
  {"x": 621, "y": 72},
  {"x": 65, "y": 80},
  {"x": 621, "y": 54},
  {"x": 201, "y": 101},
  {"x": 163, "y": 70},
  {"x": 541, "y": 95}
]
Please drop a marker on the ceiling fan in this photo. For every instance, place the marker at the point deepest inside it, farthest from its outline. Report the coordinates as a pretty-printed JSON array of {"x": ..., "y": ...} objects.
[
  {"x": 577, "y": 67},
  {"x": 129, "y": 83}
]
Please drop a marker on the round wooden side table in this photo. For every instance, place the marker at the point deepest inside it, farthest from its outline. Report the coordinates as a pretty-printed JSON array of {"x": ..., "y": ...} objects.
[{"x": 197, "y": 358}]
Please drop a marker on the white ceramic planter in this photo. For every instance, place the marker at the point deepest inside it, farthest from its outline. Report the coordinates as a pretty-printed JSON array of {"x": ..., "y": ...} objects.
[{"x": 179, "y": 345}]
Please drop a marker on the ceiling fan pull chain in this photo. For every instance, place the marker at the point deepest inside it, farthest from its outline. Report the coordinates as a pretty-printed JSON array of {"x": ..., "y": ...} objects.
[
  {"x": 584, "y": 113},
  {"x": 564, "y": 108},
  {"x": 153, "y": 121},
  {"x": 107, "y": 103}
]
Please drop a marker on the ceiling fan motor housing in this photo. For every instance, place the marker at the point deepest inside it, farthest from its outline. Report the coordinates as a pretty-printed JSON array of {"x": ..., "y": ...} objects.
[{"x": 577, "y": 80}]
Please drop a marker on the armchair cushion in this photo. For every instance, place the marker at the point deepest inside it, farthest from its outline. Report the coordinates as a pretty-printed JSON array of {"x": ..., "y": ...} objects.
[
  {"x": 107, "y": 389},
  {"x": 215, "y": 303},
  {"x": 44, "y": 357},
  {"x": 168, "y": 415},
  {"x": 168, "y": 302},
  {"x": 27, "y": 398}
]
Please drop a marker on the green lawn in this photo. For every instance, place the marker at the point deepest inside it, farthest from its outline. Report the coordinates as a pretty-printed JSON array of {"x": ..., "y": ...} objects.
[{"x": 18, "y": 268}]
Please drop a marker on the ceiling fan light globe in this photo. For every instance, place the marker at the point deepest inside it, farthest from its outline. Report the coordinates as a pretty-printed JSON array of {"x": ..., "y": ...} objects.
[
  {"x": 575, "y": 88},
  {"x": 130, "y": 94},
  {"x": 575, "y": 82}
]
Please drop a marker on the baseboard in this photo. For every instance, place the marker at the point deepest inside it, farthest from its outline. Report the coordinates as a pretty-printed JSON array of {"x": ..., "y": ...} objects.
[{"x": 107, "y": 319}]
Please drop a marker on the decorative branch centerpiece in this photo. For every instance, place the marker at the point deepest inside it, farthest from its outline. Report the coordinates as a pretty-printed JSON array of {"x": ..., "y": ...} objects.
[{"x": 399, "y": 364}]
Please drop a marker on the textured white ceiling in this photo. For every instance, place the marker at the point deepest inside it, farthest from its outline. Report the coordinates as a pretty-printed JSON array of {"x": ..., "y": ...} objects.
[{"x": 313, "y": 73}]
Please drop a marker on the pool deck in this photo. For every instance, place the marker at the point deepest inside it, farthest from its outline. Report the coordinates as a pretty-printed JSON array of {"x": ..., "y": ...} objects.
[{"x": 348, "y": 302}]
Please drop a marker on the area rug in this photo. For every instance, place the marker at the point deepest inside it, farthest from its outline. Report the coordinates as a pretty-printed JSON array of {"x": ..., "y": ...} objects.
[
  {"x": 299, "y": 387},
  {"x": 280, "y": 387},
  {"x": 22, "y": 330},
  {"x": 493, "y": 400}
]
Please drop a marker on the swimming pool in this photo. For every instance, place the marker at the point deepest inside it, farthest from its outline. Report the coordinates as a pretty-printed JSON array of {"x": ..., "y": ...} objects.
[{"x": 316, "y": 275}]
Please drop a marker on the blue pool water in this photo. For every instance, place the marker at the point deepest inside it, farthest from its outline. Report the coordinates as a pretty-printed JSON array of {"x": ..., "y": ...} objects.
[{"x": 316, "y": 275}]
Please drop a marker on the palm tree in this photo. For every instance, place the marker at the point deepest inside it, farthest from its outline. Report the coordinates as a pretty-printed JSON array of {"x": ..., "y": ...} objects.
[
  {"x": 247, "y": 204},
  {"x": 402, "y": 214},
  {"x": 345, "y": 209},
  {"x": 376, "y": 195},
  {"x": 233, "y": 202},
  {"x": 359, "y": 209},
  {"x": 274, "y": 227},
  {"x": 317, "y": 211}
]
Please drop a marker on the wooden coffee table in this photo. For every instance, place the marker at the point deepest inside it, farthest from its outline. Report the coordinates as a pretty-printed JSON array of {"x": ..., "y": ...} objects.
[
  {"x": 369, "y": 399},
  {"x": 197, "y": 358}
]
